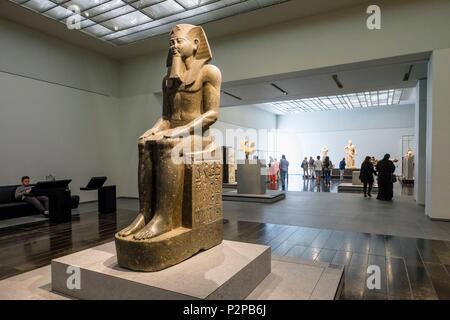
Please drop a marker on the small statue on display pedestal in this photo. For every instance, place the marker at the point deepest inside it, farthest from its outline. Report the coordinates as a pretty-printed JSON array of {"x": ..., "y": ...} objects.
[
  {"x": 231, "y": 167},
  {"x": 350, "y": 154},
  {"x": 248, "y": 148},
  {"x": 323, "y": 152},
  {"x": 408, "y": 166},
  {"x": 374, "y": 161}
]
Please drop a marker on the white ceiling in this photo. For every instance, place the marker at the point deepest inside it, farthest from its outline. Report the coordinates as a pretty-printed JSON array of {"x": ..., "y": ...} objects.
[
  {"x": 357, "y": 100},
  {"x": 279, "y": 13},
  {"x": 358, "y": 77},
  {"x": 122, "y": 22}
]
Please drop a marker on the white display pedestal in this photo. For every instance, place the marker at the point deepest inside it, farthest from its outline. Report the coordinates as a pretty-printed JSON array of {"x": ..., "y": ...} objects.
[
  {"x": 289, "y": 278},
  {"x": 355, "y": 178},
  {"x": 356, "y": 186},
  {"x": 231, "y": 270},
  {"x": 271, "y": 196},
  {"x": 251, "y": 177}
]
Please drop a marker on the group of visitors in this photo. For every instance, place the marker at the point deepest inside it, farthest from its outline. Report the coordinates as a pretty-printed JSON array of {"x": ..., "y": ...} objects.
[
  {"x": 279, "y": 171},
  {"x": 317, "y": 169},
  {"x": 308, "y": 168},
  {"x": 384, "y": 169}
]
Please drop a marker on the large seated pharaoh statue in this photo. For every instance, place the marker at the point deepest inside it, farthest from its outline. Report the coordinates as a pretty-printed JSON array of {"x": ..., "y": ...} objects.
[{"x": 180, "y": 174}]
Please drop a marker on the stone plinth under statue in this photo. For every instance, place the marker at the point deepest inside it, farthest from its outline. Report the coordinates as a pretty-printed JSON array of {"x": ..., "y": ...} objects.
[
  {"x": 355, "y": 178},
  {"x": 348, "y": 173},
  {"x": 356, "y": 186},
  {"x": 348, "y": 187},
  {"x": 231, "y": 270},
  {"x": 271, "y": 196},
  {"x": 251, "y": 184}
]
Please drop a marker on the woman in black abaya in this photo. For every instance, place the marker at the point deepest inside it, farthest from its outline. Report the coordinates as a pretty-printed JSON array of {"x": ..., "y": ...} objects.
[
  {"x": 385, "y": 169},
  {"x": 366, "y": 176}
]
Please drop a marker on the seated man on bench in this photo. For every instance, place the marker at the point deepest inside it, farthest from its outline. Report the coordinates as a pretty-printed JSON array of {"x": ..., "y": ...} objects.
[{"x": 23, "y": 193}]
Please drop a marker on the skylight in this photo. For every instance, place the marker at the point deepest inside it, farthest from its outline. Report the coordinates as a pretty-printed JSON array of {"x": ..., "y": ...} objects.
[
  {"x": 339, "y": 102},
  {"x": 125, "y": 21}
]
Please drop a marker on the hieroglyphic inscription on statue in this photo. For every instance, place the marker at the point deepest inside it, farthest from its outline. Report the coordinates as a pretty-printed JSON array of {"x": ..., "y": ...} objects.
[
  {"x": 207, "y": 201},
  {"x": 205, "y": 188}
]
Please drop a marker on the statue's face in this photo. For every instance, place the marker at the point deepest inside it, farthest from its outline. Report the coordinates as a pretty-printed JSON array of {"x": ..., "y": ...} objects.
[{"x": 182, "y": 45}]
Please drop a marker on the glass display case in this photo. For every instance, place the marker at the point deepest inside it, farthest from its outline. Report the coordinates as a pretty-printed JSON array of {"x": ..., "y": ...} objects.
[{"x": 408, "y": 153}]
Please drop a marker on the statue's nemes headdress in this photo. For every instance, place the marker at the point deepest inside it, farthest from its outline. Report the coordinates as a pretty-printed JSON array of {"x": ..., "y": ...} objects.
[{"x": 203, "y": 52}]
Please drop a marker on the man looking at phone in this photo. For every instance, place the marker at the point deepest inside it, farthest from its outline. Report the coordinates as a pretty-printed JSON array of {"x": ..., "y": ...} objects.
[{"x": 23, "y": 193}]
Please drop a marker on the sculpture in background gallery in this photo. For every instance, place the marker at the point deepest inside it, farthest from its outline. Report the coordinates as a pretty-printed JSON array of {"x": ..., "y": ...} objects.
[
  {"x": 323, "y": 152},
  {"x": 251, "y": 176},
  {"x": 231, "y": 167},
  {"x": 408, "y": 166},
  {"x": 248, "y": 148},
  {"x": 180, "y": 171},
  {"x": 350, "y": 154}
]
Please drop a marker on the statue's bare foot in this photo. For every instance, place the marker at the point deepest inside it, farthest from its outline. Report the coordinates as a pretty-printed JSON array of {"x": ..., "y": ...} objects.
[
  {"x": 135, "y": 226},
  {"x": 153, "y": 229}
]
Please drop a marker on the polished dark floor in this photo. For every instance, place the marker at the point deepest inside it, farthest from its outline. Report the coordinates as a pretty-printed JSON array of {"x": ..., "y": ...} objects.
[{"x": 410, "y": 268}]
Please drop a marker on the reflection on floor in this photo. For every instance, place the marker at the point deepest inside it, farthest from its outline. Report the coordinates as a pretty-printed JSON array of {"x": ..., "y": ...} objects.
[
  {"x": 296, "y": 182},
  {"x": 343, "y": 211},
  {"x": 410, "y": 268}
]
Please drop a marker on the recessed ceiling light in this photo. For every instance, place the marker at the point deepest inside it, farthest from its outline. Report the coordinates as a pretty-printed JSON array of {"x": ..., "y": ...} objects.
[
  {"x": 231, "y": 95},
  {"x": 279, "y": 88}
]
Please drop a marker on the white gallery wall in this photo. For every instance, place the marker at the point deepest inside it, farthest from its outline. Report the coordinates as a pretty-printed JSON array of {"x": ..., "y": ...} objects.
[
  {"x": 437, "y": 136},
  {"x": 374, "y": 132},
  {"x": 58, "y": 114},
  {"x": 240, "y": 123}
]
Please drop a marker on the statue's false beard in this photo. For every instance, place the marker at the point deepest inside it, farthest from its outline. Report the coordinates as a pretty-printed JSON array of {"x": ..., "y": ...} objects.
[{"x": 178, "y": 68}]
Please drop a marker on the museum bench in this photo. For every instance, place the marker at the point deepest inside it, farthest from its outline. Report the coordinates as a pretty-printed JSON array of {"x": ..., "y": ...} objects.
[{"x": 10, "y": 207}]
